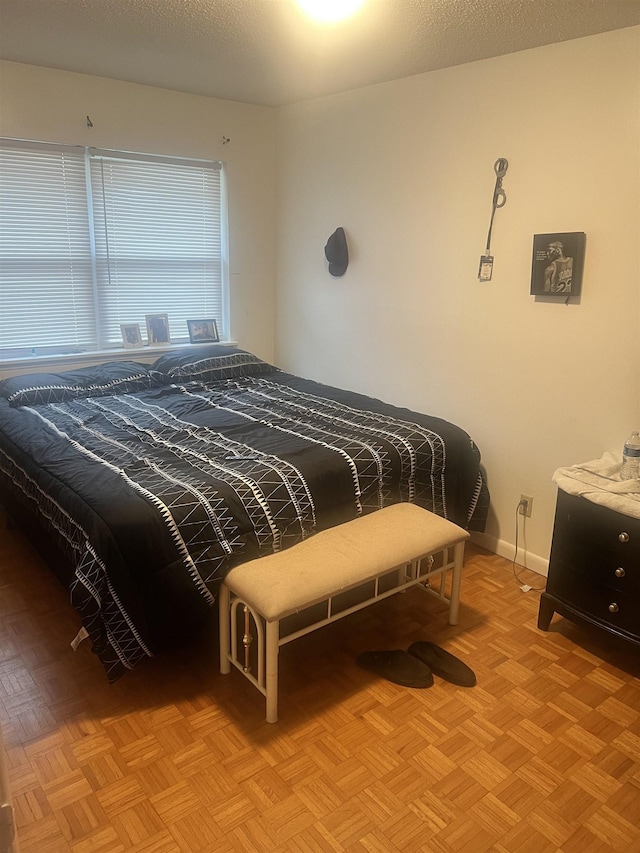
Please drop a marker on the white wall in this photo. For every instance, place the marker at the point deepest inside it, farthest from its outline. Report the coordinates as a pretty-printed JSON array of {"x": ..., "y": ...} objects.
[
  {"x": 407, "y": 169},
  {"x": 49, "y": 105}
]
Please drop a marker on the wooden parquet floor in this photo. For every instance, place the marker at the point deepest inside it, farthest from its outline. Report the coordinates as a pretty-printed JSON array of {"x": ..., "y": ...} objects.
[{"x": 542, "y": 755}]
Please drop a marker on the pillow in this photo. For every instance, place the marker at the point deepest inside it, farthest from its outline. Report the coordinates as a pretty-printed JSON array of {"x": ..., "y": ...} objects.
[
  {"x": 209, "y": 363},
  {"x": 114, "y": 377}
]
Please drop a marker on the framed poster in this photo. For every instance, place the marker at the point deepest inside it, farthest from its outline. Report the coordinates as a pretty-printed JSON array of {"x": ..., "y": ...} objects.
[
  {"x": 157, "y": 329},
  {"x": 203, "y": 331},
  {"x": 131, "y": 337},
  {"x": 557, "y": 264}
]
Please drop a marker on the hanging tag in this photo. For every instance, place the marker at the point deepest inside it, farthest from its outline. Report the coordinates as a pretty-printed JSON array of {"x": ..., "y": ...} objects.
[{"x": 486, "y": 268}]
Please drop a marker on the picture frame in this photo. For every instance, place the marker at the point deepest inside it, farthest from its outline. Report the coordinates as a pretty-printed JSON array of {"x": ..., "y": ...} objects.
[
  {"x": 131, "y": 336},
  {"x": 157, "y": 329},
  {"x": 203, "y": 331},
  {"x": 557, "y": 264}
]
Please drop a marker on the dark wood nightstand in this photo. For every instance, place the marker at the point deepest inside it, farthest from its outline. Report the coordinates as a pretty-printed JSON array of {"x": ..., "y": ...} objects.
[{"x": 594, "y": 568}]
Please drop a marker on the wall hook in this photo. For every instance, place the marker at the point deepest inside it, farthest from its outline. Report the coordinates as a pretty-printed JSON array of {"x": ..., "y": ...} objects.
[{"x": 89, "y": 122}]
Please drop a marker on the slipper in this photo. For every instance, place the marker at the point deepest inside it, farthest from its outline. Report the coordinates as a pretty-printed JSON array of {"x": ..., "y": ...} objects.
[
  {"x": 397, "y": 666},
  {"x": 443, "y": 663}
]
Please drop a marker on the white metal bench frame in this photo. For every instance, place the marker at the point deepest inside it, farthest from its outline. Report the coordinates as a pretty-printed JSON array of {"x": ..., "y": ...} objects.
[{"x": 235, "y": 649}]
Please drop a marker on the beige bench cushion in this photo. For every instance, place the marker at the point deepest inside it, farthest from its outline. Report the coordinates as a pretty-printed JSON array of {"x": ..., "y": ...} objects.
[{"x": 340, "y": 557}]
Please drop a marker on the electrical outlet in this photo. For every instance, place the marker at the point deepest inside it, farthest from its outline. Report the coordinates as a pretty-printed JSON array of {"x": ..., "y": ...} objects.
[{"x": 526, "y": 505}]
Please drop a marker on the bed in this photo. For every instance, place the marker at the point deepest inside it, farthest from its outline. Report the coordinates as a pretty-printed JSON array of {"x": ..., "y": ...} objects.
[{"x": 150, "y": 482}]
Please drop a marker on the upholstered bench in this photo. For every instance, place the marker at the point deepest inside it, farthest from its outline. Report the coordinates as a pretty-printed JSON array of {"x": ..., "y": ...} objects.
[{"x": 327, "y": 576}]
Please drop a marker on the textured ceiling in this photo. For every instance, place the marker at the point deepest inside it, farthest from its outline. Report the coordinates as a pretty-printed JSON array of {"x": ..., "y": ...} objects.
[{"x": 266, "y": 52}]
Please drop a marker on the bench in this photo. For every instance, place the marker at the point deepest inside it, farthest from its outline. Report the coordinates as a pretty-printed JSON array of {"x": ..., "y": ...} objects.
[{"x": 330, "y": 575}]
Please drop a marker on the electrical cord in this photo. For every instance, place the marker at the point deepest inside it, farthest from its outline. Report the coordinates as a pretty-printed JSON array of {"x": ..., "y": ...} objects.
[{"x": 515, "y": 554}]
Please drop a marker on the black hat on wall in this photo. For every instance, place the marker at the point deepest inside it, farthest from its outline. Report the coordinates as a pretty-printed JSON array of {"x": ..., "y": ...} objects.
[{"x": 336, "y": 252}]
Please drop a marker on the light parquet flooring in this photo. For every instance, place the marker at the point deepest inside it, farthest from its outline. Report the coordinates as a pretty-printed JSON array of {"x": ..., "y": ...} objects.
[{"x": 542, "y": 755}]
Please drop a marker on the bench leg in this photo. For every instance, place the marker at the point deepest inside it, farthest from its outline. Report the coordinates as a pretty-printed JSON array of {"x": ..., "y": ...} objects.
[
  {"x": 271, "y": 682},
  {"x": 456, "y": 578},
  {"x": 224, "y": 629}
]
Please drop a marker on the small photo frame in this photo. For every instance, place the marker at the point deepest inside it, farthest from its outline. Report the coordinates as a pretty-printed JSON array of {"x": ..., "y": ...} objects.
[
  {"x": 557, "y": 264},
  {"x": 157, "y": 329},
  {"x": 131, "y": 337},
  {"x": 203, "y": 331}
]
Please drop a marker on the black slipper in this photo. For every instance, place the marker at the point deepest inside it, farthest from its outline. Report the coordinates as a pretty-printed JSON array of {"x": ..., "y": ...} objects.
[
  {"x": 398, "y": 666},
  {"x": 443, "y": 663}
]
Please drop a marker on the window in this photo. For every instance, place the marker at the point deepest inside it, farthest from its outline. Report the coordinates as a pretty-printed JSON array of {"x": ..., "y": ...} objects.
[{"x": 91, "y": 239}]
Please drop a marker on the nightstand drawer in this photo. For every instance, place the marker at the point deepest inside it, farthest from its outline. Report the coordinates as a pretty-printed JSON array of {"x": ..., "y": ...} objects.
[
  {"x": 595, "y": 533},
  {"x": 577, "y": 560},
  {"x": 624, "y": 579},
  {"x": 607, "y": 605}
]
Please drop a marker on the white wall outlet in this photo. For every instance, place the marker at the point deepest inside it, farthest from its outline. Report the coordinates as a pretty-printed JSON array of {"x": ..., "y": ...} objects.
[{"x": 525, "y": 505}]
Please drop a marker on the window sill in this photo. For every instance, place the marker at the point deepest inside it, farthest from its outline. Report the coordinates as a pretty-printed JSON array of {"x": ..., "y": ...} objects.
[{"x": 69, "y": 361}]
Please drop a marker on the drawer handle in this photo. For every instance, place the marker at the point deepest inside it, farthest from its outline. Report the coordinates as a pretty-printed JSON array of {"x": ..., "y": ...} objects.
[
  {"x": 623, "y": 537},
  {"x": 613, "y": 608},
  {"x": 620, "y": 573}
]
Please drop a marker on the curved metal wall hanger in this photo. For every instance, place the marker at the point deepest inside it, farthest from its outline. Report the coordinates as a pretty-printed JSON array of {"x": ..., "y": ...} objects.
[{"x": 499, "y": 200}]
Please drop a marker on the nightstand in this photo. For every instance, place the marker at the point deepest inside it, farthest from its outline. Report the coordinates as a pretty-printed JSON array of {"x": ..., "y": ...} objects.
[{"x": 594, "y": 568}]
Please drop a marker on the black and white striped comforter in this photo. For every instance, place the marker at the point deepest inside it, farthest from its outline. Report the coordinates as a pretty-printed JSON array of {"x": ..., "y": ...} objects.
[{"x": 154, "y": 495}]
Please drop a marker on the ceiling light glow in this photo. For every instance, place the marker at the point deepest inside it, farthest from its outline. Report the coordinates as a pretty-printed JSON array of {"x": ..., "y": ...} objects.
[{"x": 328, "y": 11}]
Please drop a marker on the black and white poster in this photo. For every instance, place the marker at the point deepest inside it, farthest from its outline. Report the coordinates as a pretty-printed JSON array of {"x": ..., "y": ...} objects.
[{"x": 557, "y": 264}]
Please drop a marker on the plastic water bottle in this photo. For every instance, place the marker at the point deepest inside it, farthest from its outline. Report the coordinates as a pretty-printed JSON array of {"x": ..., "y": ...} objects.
[{"x": 631, "y": 457}]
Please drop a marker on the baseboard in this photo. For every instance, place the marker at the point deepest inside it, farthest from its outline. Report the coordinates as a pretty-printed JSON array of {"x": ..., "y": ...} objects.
[{"x": 505, "y": 549}]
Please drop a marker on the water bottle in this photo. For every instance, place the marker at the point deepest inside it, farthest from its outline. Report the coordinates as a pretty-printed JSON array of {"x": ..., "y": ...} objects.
[{"x": 631, "y": 457}]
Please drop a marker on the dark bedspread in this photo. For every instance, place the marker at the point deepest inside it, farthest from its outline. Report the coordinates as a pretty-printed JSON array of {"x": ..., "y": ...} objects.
[{"x": 155, "y": 494}]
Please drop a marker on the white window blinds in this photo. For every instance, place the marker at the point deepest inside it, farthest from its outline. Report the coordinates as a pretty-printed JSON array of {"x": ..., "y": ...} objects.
[
  {"x": 158, "y": 241},
  {"x": 46, "y": 289},
  {"x": 90, "y": 239}
]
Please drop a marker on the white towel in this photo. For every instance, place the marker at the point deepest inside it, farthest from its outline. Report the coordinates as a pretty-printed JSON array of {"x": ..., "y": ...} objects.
[{"x": 599, "y": 481}]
